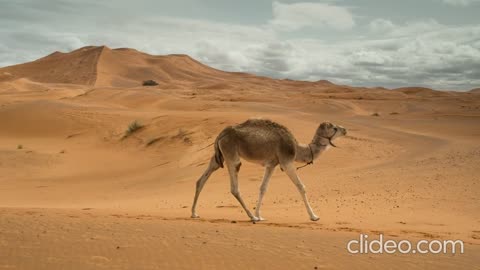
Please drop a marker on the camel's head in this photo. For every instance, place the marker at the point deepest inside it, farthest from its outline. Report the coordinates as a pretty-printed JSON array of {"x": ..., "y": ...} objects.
[{"x": 331, "y": 131}]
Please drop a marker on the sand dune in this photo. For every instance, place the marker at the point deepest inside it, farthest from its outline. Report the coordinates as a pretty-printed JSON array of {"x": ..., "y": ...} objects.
[
  {"x": 475, "y": 90},
  {"x": 101, "y": 66},
  {"x": 422, "y": 91},
  {"x": 77, "y": 193},
  {"x": 77, "y": 67}
]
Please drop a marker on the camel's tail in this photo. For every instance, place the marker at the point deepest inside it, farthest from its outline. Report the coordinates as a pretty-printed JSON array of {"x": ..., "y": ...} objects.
[
  {"x": 218, "y": 155},
  {"x": 218, "y": 152}
]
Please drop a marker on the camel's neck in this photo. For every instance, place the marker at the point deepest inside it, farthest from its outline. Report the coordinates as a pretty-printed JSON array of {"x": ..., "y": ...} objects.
[{"x": 310, "y": 152}]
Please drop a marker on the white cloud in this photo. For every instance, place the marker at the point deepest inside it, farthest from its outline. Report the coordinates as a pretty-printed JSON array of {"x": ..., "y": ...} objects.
[
  {"x": 444, "y": 58},
  {"x": 371, "y": 57},
  {"x": 463, "y": 3},
  {"x": 387, "y": 27},
  {"x": 295, "y": 16},
  {"x": 381, "y": 25}
]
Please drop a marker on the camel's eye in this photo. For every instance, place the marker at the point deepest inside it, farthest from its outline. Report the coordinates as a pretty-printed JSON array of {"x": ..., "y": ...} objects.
[{"x": 335, "y": 128}]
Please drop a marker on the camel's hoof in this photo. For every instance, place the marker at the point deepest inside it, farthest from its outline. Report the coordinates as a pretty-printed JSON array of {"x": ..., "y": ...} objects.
[
  {"x": 195, "y": 216},
  {"x": 261, "y": 219},
  {"x": 314, "y": 218},
  {"x": 255, "y": 218}
]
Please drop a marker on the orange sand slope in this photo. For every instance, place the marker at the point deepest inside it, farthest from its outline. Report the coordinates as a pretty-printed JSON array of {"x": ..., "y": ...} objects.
[{"x": 77, "y": 193}]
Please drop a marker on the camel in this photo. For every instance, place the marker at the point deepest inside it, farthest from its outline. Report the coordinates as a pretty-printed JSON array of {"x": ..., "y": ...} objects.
[{"x": 269, "y": 144}]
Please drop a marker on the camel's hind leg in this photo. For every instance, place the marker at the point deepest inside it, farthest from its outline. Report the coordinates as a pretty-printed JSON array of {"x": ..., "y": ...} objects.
[
  {"x": 213, "y": 166},
  {"x": 292, "y": 173},
  {"x": 233, "y": 166}
]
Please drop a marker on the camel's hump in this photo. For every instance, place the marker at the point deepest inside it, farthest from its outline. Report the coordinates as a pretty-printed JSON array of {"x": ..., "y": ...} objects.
[{"x": 266, "y": 124}]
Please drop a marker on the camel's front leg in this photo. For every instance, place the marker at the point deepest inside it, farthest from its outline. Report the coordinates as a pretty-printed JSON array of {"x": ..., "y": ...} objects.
[
  {"x": 291, "y": 171},
  {"x": 233, "y": 169},
  {"x": 263, "y": 188}
]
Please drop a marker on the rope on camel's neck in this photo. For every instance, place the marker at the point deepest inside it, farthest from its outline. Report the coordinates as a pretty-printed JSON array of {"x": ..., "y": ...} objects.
[
  {"x": 311, "y": 158},
  {"x": 311, "y": 151}
]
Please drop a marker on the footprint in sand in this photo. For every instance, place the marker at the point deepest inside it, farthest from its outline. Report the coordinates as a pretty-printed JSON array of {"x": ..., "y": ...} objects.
[
  {"x": 227, "y": 206},
  {"x": 99, "y": 260}
]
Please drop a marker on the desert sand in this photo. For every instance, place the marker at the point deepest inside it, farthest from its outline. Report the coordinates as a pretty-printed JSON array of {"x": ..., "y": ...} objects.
[{"x": 76, "y": 193}]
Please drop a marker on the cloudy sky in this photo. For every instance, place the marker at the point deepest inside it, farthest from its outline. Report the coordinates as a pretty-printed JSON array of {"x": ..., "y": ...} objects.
[{"x": 433, "y": 43}]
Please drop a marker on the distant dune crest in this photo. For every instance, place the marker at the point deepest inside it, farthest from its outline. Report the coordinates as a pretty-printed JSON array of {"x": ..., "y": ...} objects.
[
  {"x": 100, "y": 66},
  {"x": 475, "y": 90}
]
